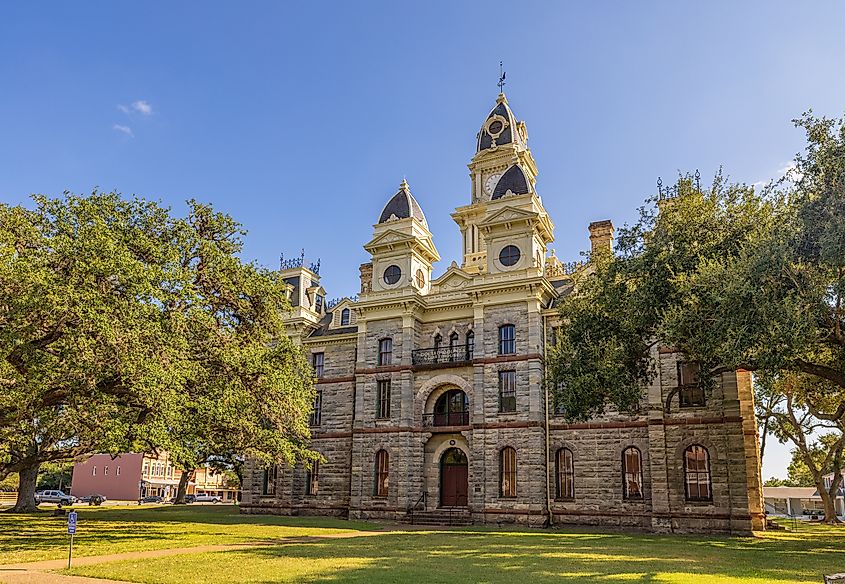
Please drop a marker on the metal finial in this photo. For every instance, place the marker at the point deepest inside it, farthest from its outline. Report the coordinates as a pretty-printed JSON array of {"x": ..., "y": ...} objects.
[
  {"x": 697, "y": 180},
  {"x": 660, "y": 186},
  {"x": 502, "y": 74}
]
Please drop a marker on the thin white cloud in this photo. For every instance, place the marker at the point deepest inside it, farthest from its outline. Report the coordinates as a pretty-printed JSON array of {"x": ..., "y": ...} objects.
[
  {"x": 123, "y": 129},
  {"x": 787, "y": 170},
  {"x": 142, "y": 107}
]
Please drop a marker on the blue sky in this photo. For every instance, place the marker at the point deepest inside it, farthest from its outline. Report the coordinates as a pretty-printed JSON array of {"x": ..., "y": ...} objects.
[{"x": 301, "y": 119}]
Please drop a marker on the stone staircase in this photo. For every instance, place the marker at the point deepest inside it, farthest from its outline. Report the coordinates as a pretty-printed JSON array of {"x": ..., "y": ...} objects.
[{"x": 442, "y": 516}]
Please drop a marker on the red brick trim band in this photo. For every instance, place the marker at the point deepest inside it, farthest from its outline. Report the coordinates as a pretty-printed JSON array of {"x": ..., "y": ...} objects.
[{"x": 322, "y": 380}]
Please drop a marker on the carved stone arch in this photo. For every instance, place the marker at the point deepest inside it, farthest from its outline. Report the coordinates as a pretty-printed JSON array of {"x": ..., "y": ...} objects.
[
  {"x": 439, "y": 381},
  {"x": 556, "y": 445},
  {"x": 691, "y": 439},
  {"x": 460, "y": 443},
  {"x": 436, "y": 332}
]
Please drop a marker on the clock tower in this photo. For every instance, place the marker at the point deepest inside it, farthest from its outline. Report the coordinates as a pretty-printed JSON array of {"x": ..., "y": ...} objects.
[{"x": 501, "y": 168}]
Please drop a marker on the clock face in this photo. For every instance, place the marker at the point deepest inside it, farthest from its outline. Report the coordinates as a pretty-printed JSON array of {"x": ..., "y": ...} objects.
[{"x": 490, "y": 183}]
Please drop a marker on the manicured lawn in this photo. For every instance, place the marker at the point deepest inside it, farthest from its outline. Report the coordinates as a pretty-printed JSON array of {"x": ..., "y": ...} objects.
[
  {"x": 109, "y": 530},
  {"x": 468, "y": 555},
  {"x": 512, "y": 557}
]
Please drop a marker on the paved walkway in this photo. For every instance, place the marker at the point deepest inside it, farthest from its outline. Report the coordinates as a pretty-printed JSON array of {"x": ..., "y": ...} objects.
[{"x": 42, "y": 572}]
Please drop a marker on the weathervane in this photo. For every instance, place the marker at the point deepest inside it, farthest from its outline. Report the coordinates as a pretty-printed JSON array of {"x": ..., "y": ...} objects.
[{"x": 501, "y": 78}]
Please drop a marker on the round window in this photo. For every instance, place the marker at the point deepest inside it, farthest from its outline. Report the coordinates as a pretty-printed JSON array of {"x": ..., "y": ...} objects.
[
  {"x": 509, "y": 255},
  {"x": 392, "y": 274},
  {"x": 420, "y": 279},
  {"x": 495, "y": 127}
]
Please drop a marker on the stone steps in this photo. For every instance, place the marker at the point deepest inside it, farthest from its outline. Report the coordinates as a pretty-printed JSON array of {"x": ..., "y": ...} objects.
[{"x": 441, "y": 517}]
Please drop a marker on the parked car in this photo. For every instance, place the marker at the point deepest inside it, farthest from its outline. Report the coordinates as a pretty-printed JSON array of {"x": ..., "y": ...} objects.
[
  {"x": 93, "y": 499},
  {"x": 152, "y": 499},
  {"x": 58, "y": 497},
  {"x": 207, "y": 499}
]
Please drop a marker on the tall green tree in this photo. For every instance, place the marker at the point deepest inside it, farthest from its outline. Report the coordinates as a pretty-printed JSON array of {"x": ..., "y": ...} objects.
[
  {"x": 116, "y": 317},
  {"x": 733, "y": 277},
  {"x": 250, "y": 394}
]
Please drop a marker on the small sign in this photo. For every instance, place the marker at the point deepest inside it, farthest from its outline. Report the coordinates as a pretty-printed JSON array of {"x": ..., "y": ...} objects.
[{"x": 71, "y": 522}]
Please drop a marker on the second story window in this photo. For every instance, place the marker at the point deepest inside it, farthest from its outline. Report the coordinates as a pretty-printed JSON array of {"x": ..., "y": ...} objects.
[
  {"x": 470, "y": 344},
  {"x": 438, "y": 340},
  {"x": 507, "y": 391},
  {"x": 344, "y": 317},
  {"x": 385, "y": 351},
  {"x": 690, "y": 390},
  {"x": 453, "y": 347},
  {"x": 317, "y": 414},
  {"x": 317, "y": 360},
  {"x": 383, "y": 398},
  {"x": 507, "y": 339}
]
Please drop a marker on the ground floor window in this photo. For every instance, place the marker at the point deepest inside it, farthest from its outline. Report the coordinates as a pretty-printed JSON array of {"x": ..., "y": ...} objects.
[
  {"x": 312, "y": 479},
  {"x": 268, "y": 485},
  {"x": 565, "y": 472},
  {"x": 382, "y": 476},
  {"x": 508, "y": 472},
  {"x": 632, "y": 472},
  {"x": 697, "y": 474}
]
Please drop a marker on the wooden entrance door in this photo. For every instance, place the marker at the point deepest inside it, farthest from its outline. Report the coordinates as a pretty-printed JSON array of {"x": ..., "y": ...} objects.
[{"x": 454, "y": 477}]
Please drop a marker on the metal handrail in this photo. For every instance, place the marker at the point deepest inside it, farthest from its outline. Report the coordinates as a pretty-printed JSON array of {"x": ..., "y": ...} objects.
[
  {"x": 423, "y": 499},
  {"x": 446, "y": 419}
]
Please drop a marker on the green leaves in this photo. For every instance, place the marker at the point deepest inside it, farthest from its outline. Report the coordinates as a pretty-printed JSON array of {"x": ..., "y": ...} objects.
[
  {"x": 731, "y": 276},
  {"x": 123, "y": 327}
]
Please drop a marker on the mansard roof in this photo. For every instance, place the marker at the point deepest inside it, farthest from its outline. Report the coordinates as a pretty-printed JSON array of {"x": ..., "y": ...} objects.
[
  {"x": 514, "y": 180},
  {"x": 401, "y": 206}
]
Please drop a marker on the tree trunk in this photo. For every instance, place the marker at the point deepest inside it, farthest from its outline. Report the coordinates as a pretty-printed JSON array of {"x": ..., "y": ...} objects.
[
  {"x": 26, "y": 489},
  {"x": 183, "y": 486},
  {"x": 829, "y": 507}
]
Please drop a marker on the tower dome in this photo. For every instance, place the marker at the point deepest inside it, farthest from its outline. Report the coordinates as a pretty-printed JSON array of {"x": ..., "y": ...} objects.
[
  {"x": 401, "y": 206},
  {"x": 501, "y": 127}
]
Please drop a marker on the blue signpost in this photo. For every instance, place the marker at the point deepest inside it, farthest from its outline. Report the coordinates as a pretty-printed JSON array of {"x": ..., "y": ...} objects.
[{"x": 71, "y": 529}]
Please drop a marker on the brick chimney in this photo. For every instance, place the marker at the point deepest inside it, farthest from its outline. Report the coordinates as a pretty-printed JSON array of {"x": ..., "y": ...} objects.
[{"x": 601, "y": 235}]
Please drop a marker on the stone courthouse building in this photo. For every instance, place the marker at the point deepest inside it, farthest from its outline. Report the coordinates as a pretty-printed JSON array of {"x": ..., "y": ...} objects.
[{"x": 431, "y": 404}]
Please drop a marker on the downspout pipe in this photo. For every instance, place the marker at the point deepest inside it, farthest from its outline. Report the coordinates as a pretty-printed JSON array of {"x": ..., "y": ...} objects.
[{"x": 550, "y": 518}]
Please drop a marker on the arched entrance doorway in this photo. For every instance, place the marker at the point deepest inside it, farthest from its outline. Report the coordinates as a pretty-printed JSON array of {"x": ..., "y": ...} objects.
[{"x": 453, "y": 478}]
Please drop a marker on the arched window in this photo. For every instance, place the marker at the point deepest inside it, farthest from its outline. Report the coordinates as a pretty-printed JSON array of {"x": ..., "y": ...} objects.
[
  {"x": 697, "y": 474},
  {"x": 451, "y": 409},
  {"x": 632, "y": 473},
  {"x": 344, "y": 317},
  {"x": 438, "y": 340},
  {"x": 382, "y": 476},
  {"x": 565, "y": 473},
  {"x": 507, "y": 470},
  {"x": 470, "y": 345},
  {"x": 453, "y": 347},
  {"x": 507, "y": 339}
]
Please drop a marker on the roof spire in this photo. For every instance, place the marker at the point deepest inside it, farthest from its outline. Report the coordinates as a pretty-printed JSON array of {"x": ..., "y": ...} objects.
[{"x": 502, "y": 74}]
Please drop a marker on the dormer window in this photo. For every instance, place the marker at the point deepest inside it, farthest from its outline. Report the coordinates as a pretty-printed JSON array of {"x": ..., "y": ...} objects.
[
  {"x": 318, "y": 304},
  {"x": 344, "y": 317}
]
